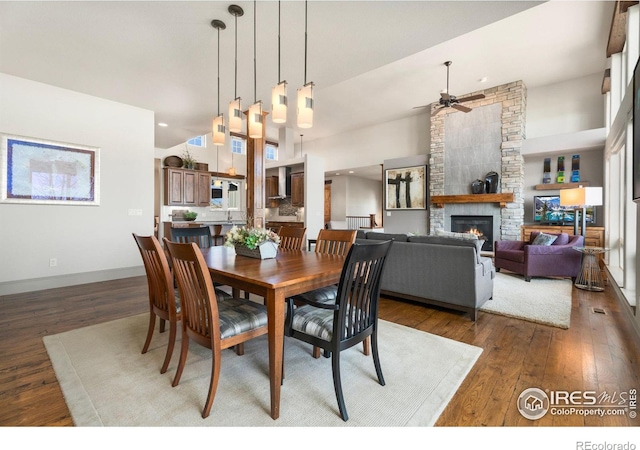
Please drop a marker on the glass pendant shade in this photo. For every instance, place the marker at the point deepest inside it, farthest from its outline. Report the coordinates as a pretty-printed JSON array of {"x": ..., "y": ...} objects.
[
  {"x": 232, "y": 171},
  {"x": 279, "y": 103},
  {"x": 235, "y": 116},
  {"x": 305, "y": 106},
  {"x": 218, "y": 130},
  {"x": 255, "y": 120},
  {"x": 217, "y": 183}
]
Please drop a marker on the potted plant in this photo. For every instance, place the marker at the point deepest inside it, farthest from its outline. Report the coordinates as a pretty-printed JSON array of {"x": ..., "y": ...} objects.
[
  {"x": 188, "y": 161},
  {"x": 253, "y": 242},
  {"x": 190, "y": 215}
]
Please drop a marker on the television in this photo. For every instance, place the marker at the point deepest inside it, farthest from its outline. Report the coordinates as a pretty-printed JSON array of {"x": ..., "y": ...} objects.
[{"x": 547, "y": 210}]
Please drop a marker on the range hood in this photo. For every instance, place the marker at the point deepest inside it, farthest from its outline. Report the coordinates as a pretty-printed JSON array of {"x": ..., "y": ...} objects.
[{"x": 284, "y": 183}]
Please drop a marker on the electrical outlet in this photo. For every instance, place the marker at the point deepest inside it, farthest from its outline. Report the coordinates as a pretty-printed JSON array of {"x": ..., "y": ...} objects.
[
  {"x": 388, "y": 213},
  {"x": 53, "y": 262}
]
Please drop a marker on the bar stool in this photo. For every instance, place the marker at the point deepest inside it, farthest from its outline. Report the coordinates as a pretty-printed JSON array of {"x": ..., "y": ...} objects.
[{"x": 217, "y": 234}]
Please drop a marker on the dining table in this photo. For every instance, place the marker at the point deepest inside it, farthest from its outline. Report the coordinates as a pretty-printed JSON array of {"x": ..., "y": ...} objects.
[{"x": 290, "y": 273}]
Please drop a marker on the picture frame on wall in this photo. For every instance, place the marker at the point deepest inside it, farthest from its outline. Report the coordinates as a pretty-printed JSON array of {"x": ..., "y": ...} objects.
[
  {"x": 405, "y": 188},
  {"x": 636, "y": 133},
  {"x": 39, "y": 171}
]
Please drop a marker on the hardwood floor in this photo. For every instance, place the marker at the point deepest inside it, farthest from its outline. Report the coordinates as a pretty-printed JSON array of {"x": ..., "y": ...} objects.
[{"x": 599, "y": 352}]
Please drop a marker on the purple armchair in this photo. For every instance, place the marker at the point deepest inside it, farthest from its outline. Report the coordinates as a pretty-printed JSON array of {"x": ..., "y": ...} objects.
[{"x": 556, "y": 260}]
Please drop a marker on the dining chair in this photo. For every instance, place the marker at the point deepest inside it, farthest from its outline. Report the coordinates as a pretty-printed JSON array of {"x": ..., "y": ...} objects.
[
  {"x": 214, "y": 325},
  {"x": 217, "y": 235},
  {"x": 291, "y": 238},
  {"x": 200, "y": 235},
  {"x": 351, "y": 319},
  {"x": 163, "y": 301},
  {"x": 332, "y": 242}
]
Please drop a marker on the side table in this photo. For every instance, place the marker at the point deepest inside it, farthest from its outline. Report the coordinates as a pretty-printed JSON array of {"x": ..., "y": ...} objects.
[{"x": 590, "y": 276}]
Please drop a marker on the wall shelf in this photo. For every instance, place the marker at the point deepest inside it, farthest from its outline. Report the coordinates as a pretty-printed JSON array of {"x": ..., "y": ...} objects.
[
  {"x": 440, "y": 200},
  {"x": 555, "y": 186}
]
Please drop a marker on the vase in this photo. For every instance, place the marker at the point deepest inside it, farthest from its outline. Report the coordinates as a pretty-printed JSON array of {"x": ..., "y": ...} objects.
[
  {"x": 265, "y": 250},
  {"x": 492, "y": 179},
  {"x": 477, "y": 187}
]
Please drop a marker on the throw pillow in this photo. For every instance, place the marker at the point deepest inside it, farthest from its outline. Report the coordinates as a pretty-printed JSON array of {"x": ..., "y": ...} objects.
[
  {"x": 563, "y": 239},
  {"x": 544, "y": 239},
  {"x": 453, "y": 234}
]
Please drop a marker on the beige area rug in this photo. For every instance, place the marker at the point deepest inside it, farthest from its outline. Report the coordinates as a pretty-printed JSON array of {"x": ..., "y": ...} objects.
[
  {"x": 106, "y": 381},
  {"x": 543, "y": 300}
]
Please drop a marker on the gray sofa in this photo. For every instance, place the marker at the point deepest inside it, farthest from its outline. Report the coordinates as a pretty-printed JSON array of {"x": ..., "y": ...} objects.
[{"x": 437, "y": 270}]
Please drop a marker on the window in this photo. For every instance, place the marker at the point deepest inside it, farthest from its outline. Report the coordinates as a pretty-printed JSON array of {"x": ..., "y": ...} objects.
[
  {"x": 271, "y": 152},
  {"x": 237, "y": 145},
  {"x": 198, "y": 141}
]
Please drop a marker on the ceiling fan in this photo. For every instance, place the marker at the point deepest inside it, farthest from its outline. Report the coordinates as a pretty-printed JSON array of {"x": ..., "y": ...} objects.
[{"x": 451, "y": 101}]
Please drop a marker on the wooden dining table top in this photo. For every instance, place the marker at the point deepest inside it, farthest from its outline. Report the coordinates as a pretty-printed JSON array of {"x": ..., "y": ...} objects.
[{"x": 290, "y": 273}]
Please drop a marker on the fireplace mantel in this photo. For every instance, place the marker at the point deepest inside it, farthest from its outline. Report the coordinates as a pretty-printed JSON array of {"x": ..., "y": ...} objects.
[{"x": 440, "y": 200}]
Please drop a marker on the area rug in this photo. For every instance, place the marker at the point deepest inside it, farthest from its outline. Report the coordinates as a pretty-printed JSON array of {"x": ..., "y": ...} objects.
[
  {"x": 106, "y": 381},
  {"x": 542, "y": 300}
]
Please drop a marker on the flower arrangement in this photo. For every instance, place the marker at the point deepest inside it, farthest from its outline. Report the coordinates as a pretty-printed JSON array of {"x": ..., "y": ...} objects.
[{"x": 250, "y": 237}]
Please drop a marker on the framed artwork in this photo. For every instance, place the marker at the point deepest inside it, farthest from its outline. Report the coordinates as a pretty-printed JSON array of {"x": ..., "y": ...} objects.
[
  {"x": 636, "y": 133},
  {"x": 406, "y": 188},
  {"x": 48, "y": 172}
]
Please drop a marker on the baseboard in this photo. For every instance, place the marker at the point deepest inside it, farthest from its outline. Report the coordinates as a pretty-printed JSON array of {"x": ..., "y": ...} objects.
[
  {"x": 630, "y": 311},
  {"x": 39, "y": 284}
]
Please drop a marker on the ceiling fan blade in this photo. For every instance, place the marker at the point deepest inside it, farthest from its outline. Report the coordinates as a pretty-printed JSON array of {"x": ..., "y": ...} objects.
[
  {"x": 445, "y": 95},
  {"x": 461, "y": 108},
  {"x": 418, "y": 107},
  {"x": 436, "y": 111},
  {"x": 471, "y": 97}
]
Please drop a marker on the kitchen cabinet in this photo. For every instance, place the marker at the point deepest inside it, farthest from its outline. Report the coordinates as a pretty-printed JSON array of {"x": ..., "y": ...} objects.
[
  {"x": 271, "y": 190},
  {"x": 271, "y": 224},
  {"x": 297, "y": 189},
  {"x": 183, "y": 187}
]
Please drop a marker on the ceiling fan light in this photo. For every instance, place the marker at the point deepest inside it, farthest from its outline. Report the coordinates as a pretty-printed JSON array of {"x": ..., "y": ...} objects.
[
  {"x": 279, "y": 102},
  {"x": 305, "y": 106},
  {"x": 235, "y": 115},
  {"x": 219, "y": 130},
  {"x": 256, "y": 120}
]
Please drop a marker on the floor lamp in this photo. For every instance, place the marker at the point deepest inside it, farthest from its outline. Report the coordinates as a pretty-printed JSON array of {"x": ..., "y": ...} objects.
[{"x": 579, "y": 198}]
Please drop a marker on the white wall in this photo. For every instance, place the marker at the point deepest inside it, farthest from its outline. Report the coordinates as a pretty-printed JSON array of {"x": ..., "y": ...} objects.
[
  {"x": 369, "y": 146},
  {"x": 90, "y": 242},
  {"x": 566, "y": 107}
]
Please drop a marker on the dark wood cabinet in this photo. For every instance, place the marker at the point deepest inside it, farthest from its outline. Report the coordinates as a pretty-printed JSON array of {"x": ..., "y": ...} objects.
[
  {"x": 297, "y": 189},
  {"x": 184, "y": 187},
  {"x": 284, "y": 224},
  {"x": 271, "y": 190}
]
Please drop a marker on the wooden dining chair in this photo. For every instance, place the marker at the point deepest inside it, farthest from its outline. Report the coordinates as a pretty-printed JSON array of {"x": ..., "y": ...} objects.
[
  {"x": 163, "y": 302},
  {"x": 217, "y": 235},
  {"x": 291, "y": 238},
  {"x": 214, "y": 325},
  {"x": 352, "y": 318},
  {"x": 200, "y": 235}
]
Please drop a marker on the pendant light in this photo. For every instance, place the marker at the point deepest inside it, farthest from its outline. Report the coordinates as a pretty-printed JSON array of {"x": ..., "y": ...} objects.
[
  {"x": 279, "y": 91},
  {"x": 218, "y": 127},
  {"x": 305, "y": 93},
  {"x": 235, "y": 106},
  {"x": 217, "y": 182},
  {"x": 301, "y": 145},
  {"x": 232, "y": 170},
  {"x": 255, "y": 110}
]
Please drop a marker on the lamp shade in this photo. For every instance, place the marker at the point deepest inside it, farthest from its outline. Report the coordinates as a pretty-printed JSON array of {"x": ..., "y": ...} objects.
[
  {"x": 235, "y": 116},
  {"x": 279, "y": 103},
  {"x": 582, "y": 196},
  {"x": 218, "y": 130},
  {"x": 255, "y": 120},
  {"x": 305, "y": 106}
]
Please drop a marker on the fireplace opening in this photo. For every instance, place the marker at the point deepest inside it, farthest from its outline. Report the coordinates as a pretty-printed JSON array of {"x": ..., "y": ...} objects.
[{"x": 481, "y": 226}]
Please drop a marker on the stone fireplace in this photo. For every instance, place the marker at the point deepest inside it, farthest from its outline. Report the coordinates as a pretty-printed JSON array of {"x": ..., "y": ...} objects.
[{"x": 466, "y": 146}]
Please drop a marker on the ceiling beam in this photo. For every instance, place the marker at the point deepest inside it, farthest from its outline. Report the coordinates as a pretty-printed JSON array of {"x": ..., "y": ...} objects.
[{"x": 618, "y": 30}]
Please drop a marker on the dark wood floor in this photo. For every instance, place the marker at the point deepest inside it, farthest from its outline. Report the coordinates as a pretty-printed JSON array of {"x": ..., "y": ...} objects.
[{"x": 598, "y": 352}]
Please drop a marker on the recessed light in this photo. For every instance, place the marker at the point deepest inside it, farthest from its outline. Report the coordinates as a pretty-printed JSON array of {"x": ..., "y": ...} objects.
[
  {"x": 483, "y": 80},
  {"x": 351, "y": 171},
  {"x": 162, "y": 124},
  {"x": 337, "y": 173}
]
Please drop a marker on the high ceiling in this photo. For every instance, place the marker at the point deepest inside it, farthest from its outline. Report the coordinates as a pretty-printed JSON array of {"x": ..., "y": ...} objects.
[{"x": 371, "y": 61}]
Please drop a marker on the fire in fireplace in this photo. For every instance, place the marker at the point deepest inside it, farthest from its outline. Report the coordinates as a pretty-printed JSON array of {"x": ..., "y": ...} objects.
[{"x": 481, "y": 226}]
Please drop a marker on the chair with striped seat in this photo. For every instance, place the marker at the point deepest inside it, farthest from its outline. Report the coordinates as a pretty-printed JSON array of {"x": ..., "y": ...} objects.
[
  {"x": 352, "y": 318},
  {"x": 214, "y": 325}
]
